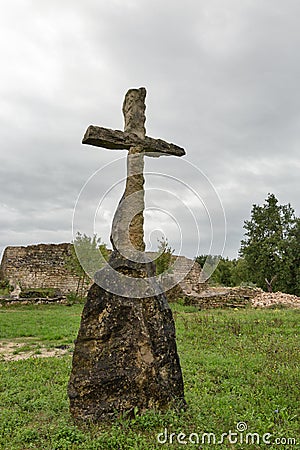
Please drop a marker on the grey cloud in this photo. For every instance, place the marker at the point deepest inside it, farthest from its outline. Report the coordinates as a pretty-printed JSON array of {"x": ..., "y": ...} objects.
[{"x": 222, "y": 82}]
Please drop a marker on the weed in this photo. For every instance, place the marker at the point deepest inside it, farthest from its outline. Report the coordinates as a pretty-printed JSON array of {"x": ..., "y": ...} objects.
[{"x": 73, "y": 298}]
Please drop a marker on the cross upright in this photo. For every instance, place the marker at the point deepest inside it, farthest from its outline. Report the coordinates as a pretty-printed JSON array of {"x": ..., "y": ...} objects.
[{"x": 127, "y": 228}]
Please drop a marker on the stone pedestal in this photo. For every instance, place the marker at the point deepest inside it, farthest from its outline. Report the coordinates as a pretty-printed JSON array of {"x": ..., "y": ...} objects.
[{"x": 125, "y": 357}]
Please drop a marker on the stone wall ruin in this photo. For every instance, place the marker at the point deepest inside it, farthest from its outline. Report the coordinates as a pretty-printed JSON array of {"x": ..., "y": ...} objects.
[
  {"x": 38, "y": 266},
  {"x": 43, "y": 266}
]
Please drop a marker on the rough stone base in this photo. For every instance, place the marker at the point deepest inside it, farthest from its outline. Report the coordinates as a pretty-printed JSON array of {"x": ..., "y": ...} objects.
[{"x": 125, "y": 357}]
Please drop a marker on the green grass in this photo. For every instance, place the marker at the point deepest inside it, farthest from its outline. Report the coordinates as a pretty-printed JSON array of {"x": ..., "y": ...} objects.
[
  {"x": 49, "y": 325},
  {"x": 238, "y": 366}
]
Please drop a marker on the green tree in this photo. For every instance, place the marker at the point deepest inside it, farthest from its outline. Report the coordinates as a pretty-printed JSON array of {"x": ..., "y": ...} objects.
[
  {"x": 240, "y": 272},
  {"x": 81, "y": 260},
  {"x": 294, "y": 258},
  {"x": 208, "y": 264},
  {"x": 268, "y": 247},
  {"x": 164, "y": 260},
  {"x": 220, "y": 268},
  {"x": 223, "y": 273}
]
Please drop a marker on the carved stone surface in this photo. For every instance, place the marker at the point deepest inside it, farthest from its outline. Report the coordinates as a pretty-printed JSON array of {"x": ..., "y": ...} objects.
[
  {"x": 125, "y": 354},
  {"x": 127, "y": 232},
  {"x": 134, "y": 112},
  {"x": 125, "y": 357},
  {"x": 119, "y": 140}
]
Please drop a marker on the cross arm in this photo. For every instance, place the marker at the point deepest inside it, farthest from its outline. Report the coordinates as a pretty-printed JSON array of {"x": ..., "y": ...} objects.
[{"x": 119, "y": 140}]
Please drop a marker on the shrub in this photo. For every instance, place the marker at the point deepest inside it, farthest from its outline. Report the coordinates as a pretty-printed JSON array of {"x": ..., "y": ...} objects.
[{"x": 39, "y": 292}]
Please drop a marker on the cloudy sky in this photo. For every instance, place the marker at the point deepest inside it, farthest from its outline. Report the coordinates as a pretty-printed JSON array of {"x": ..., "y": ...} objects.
[{"x": 222, "y": 81}]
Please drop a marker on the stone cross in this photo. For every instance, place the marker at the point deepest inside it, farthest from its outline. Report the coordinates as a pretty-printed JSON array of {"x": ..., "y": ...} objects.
[
  {"x": 127, "y": 229},
  {"x": 125, "y": 357}
]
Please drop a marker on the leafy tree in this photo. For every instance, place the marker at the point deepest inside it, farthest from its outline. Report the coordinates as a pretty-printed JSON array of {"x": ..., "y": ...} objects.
[
  {"x": 86, "y": 248},
  {"x": 240, "y": 272},
  {"x": 163, "y": 262},
  {"x": 294, "y": 258},
  {"x": 270, "y": 243},
  {"x": 209, "y": 264},
  {"x": 220, "y": 268},
  {"x": 223, "y": 273}
]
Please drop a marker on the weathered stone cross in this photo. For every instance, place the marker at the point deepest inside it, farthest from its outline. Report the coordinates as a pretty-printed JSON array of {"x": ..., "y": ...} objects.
[
  {"x": 127, "y": 229},
  {"x": 125, "y": 357}
]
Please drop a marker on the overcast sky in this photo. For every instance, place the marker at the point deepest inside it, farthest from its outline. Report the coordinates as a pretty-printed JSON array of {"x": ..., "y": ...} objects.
[{"x": 222, "y": 81}]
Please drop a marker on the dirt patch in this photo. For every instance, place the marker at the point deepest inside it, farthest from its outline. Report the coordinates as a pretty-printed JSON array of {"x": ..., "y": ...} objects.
[{"x": 16, "y": 350}]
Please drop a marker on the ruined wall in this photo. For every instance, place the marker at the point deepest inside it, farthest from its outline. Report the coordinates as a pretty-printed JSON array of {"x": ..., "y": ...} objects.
[
  {"x": 187, "y": 274},
  {"x": 38, "y": 266},
  {"x": 190, "y": 274},
  {"x": 43, "y": 266}
]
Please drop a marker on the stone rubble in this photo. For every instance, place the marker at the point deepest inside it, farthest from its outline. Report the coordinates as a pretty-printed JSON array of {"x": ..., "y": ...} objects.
[
  {"x": 239, "y": 297},
  {"x": 271, "y": 299}
]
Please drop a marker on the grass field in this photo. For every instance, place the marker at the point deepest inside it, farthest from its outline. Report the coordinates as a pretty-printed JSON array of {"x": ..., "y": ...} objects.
[{"x": 241, "y": 369}]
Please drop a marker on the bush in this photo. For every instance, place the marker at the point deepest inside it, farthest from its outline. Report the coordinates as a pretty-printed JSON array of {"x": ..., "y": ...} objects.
[
  {"x": 5, "y": 287},
  {"x": 73, "y": 297},
  {"x": 39, "y": 292}
]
